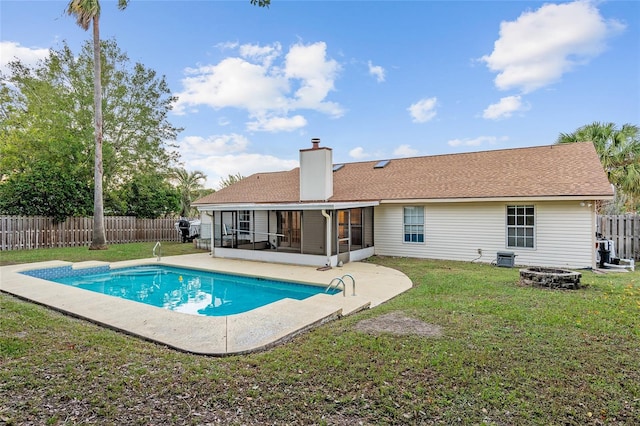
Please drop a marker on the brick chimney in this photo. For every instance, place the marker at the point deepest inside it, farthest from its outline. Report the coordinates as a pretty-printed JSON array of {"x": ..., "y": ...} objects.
[{"x": 316, "y": 172}]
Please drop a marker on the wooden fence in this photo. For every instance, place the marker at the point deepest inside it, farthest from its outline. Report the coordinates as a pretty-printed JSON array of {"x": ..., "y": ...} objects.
[
  {"x": 624, "y": 231},
  {"x": 32, "y": 232}
]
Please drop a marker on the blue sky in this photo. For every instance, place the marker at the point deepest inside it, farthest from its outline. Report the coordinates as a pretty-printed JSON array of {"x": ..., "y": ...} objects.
[{"x": 371, "y": 79}]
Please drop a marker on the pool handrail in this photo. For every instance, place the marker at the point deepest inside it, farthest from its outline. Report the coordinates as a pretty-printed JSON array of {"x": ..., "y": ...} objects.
[
  {"x": 337, "y": 280},
  {"x": 157, "y": 246},
  {"x": 340, "y": 280},
  {"x": 353, "y": 283}
]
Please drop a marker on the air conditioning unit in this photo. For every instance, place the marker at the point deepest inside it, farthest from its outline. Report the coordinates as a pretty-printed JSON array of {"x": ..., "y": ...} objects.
[{"x": 506, "y": 259}]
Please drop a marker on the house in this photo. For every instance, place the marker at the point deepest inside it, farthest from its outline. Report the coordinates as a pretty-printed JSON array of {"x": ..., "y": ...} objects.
[{"x": 537, "y": 205}]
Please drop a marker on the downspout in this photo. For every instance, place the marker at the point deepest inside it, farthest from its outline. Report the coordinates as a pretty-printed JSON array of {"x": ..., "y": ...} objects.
[{"x": 328, "y": 238}]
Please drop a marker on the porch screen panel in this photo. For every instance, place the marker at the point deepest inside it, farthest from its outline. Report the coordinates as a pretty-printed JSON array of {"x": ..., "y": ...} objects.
[
  {"x": 289, "y": 227},
  {"x": 244, "y": 226},
  {"x": 313, "y": 232},
  {"x": 261, "y": 225},
  {"x": 344, "y": 235},
  {"x": 367, "y": 226},
  {"x": 356, "y": 229},
  {"x": 226, "y": 235}
]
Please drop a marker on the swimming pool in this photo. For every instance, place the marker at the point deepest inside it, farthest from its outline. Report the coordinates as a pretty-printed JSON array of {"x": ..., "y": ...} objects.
[
  {"x": 190, "y": 291},
  {"x": 250, "y": 331}
]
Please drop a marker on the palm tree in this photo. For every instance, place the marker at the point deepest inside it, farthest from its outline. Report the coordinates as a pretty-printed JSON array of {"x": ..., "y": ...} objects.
[
  {"x": 619, "y": 151},
  {"x": 230, "y": 180},
  {"x": 86, "y": 12},
  {"x": 188, "y": 184}
]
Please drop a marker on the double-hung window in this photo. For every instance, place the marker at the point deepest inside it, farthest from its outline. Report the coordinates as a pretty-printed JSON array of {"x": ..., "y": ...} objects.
[
  {"x": 520, "y": 226},
  {"x": 414, "y": 224},
  {"x": 244, "y": 223}
]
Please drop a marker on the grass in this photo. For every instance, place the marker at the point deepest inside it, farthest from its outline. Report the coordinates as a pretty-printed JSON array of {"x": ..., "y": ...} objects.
[
  {"x": 509, "y": 355},
  {"x": 114, "y": 253}
]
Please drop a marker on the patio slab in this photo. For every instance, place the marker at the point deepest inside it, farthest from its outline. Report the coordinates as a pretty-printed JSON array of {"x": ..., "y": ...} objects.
[{"x": 250, "y": 331}]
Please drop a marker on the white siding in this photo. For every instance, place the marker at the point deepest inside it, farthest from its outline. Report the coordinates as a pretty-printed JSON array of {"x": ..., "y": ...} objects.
[
  {"x": 455, "y": 231},
  {"x": 564, "y": 236},
  {"x": 261, "y": 225},
  {"x": 205, "y": 225}
]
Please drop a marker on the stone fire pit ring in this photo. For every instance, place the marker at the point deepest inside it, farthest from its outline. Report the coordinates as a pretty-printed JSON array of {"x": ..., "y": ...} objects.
[{"x": 550, "y": 278}]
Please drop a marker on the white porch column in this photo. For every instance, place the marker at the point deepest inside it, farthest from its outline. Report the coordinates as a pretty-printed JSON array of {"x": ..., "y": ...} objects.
[{"x": 327, "y": 243}]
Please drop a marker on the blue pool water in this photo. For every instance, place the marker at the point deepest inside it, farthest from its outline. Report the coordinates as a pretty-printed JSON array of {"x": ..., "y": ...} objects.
[{"x": 180, "y": 289}]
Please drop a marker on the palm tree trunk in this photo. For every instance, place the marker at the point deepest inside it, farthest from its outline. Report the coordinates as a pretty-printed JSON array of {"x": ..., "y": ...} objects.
[{"x": 99, "y": 240}]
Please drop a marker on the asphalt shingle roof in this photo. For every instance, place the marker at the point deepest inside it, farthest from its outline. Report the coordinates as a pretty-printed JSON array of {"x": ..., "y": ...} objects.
[{"x": 545, "y": 171}]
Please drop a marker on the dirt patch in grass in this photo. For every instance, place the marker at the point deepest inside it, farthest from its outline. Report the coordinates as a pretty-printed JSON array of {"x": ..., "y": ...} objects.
[{"x": 400, "y": 324}]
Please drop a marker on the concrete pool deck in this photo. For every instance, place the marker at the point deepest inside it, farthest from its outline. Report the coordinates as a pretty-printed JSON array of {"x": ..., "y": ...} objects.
[{"x": 251, "y": 331}]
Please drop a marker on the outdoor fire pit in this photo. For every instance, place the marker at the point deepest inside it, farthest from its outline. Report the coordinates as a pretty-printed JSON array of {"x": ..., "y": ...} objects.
[{"x": 550, "y": 278}]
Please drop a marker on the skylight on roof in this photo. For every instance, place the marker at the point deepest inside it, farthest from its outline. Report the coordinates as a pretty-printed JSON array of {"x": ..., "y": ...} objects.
[
  {"x": 337, "y": 167},
  {"x": 381, "y": 164}
]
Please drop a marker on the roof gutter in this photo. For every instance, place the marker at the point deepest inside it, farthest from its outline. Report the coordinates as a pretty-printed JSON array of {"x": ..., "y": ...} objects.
[
  {"x": 287, "y": 206},
  {"x": 497, "y": 199}
]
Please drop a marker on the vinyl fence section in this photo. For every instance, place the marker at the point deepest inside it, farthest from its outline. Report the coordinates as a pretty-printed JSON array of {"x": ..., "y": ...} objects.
[
  {"x": 23, "y": 233},
  {"x": 624, "y": 231}
]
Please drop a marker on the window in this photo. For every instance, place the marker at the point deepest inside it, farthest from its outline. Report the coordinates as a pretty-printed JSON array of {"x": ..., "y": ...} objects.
[
  {"x": 356, "y": 228},
  {"x": 414, "y": 224},
  {"x": 520, "y": 226},
  {"x": 289, "y": 228},
  {"x": 244, "y": 223},
  {"x": 381, "y": 164}
]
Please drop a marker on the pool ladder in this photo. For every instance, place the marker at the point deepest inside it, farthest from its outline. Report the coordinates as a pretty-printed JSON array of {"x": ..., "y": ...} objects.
[
  {"x": 340, "y": 280},
  {"x": 159, "y": 247}
]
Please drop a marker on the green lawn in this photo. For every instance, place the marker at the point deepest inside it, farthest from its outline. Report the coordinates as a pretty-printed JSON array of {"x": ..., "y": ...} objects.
[
  {"x": 114, "y": 253},
  {"x": 509, "y": 355}
]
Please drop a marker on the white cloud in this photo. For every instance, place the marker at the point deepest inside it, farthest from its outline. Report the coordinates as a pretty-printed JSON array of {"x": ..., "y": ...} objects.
[
  {"x": 223, "y": 155},
  {"x": 220, "y": 167},
  {"x": 405, "y": 150},
  {"x": 308, "y": 66},
  {"x": 504, "y": 108},
  {"x": 540, "y": 46},
  {"x": 213, "y": 145},
  {"x": 358, "y": 153},
  {"x": 276, "y": 124},
  {"x": 263, "y": 54},
  {"x": 228, "y": 45},
  {"x": 423, "y": 110},
  {"x": 234, "y": 82},
  {"x": 265, "y": 84},
  {"x": 377, "y": 71},
  {"x": 480, "y": 140},
  {"x": 10, "y": 51}
]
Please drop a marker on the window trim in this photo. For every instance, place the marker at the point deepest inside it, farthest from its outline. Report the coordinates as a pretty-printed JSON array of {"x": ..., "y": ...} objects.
[
  {"x": 524, "y": 226},
  {"x": 420, "y": 236}
]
